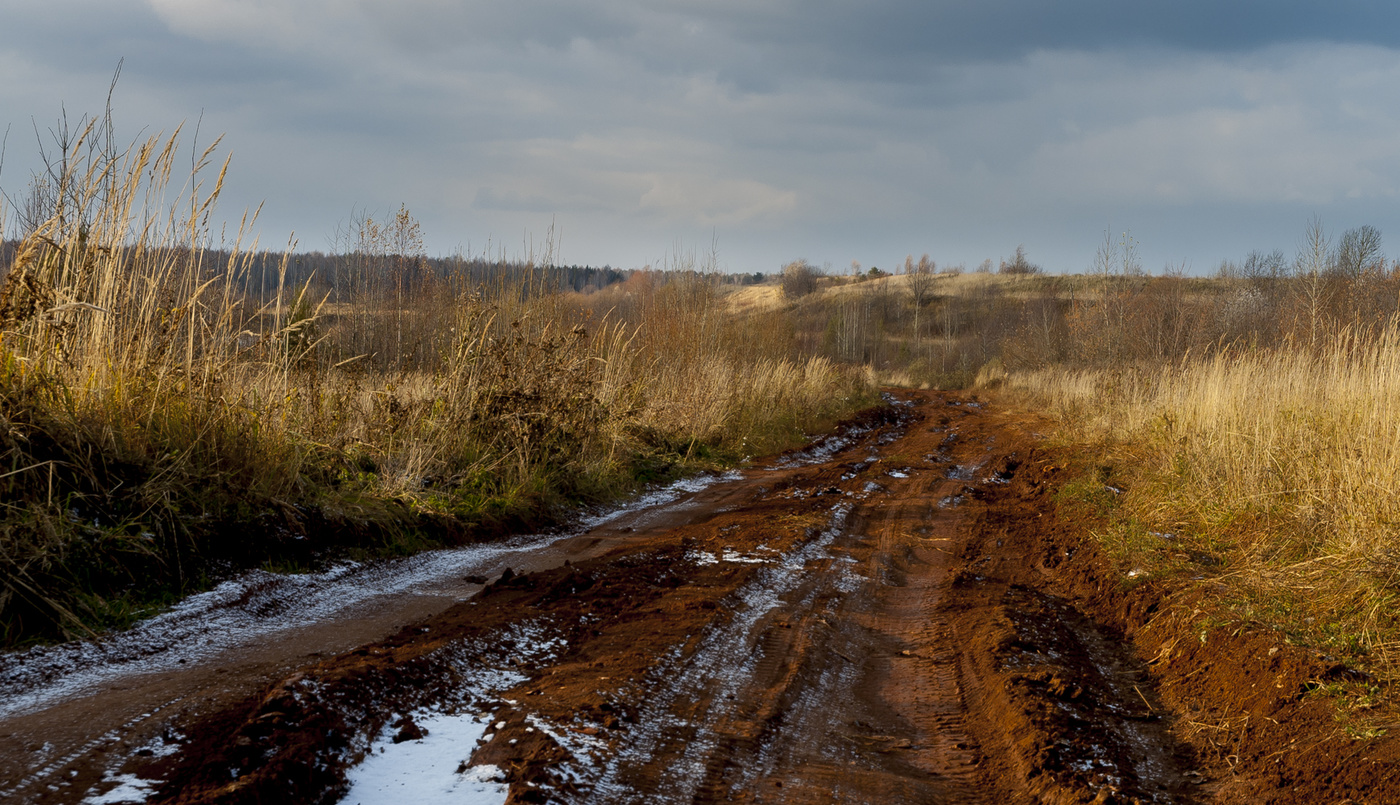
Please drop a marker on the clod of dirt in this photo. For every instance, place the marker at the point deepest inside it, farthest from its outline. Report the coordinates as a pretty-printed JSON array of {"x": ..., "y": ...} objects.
[{"x": 408, "y": 730}]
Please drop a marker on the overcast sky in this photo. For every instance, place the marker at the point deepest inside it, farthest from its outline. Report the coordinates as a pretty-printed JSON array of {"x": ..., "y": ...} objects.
[{"x": 832, "y": 131}]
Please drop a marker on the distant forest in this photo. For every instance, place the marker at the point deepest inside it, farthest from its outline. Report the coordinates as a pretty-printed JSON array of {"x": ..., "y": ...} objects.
[{"x": 343, "y": 273}]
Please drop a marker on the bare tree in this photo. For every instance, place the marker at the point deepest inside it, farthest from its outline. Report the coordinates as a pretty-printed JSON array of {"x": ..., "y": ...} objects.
[
  {"x": 1310, "y": 269},
  {"x": 1116, "y": 262},
  {"x": 1261, "y": 267},
  {"x": 1358, "y": 251},
  {"x": 919, "y": 280}
]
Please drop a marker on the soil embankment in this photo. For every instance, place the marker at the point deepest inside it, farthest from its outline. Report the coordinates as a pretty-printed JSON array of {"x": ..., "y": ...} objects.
[{"x": 893, "y": 615}]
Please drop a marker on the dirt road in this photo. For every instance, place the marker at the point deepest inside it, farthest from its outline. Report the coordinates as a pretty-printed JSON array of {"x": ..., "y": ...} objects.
[{"x": 873, "y": 619}]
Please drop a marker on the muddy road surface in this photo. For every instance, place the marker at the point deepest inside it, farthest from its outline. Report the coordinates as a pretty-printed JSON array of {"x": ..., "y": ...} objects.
[{"x": 866, "y": 620}]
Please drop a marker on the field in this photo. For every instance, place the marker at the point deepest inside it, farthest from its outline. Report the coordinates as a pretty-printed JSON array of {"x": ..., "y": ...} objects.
[{"x": 1140, "y": 488}]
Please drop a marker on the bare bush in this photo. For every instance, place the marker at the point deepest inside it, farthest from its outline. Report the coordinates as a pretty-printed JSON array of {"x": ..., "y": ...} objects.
[
  {"x": 799, "y": 279},
  {"x": 1018, "y": 264}
]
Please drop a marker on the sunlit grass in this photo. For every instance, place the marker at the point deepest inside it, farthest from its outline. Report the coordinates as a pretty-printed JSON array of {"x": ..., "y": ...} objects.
[{"x": 1278, "y": 467}]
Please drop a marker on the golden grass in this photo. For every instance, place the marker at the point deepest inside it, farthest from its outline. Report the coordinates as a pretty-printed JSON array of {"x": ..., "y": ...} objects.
[
  {"x": 749, "y": 299},
  {"x": 1283, "y": 466}
]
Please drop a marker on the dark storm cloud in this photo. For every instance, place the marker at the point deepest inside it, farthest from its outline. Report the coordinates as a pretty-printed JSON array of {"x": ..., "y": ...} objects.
[
  {"x": 750, "y": 43},
  {"x": 991, "y": 29},
  {"x": 877, "y": 30}
]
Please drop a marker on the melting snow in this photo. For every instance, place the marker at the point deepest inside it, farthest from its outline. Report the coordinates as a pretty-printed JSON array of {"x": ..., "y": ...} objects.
[
  {"x": 579, "y": 744},
  {"x": 248, "y": 609},
  {"x": 428, "y": 771},
  {"x": 823, "y": 449},
  {"x": 130, "y": 789},
  {"x": 728, "y": 555},
  {"x": 701, "y": 557},
  {"x": 433, "y": 769}
]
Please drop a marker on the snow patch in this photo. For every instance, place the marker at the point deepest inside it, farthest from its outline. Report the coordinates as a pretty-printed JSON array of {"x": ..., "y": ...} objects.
[
  {"x": 701, "y": 557},
  {"x": 582, "y": 746},
  {"x": 130, "y": 789},
  {"x": 430, "y": 770},
  {"x": 727, "y": 555}
]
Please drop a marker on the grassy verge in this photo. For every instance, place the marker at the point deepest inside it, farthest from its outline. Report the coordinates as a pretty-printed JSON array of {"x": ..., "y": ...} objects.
[
  {"x": 1264, "y": 480},
  {"x": 166, "y": 416}
]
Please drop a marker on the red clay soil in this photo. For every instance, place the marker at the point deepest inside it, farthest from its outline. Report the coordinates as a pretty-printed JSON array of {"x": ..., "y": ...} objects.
[{"x": 899, "y": 615}]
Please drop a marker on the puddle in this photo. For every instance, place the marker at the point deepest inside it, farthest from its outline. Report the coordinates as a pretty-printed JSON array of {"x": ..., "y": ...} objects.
[{"x": 963, "y": 472}]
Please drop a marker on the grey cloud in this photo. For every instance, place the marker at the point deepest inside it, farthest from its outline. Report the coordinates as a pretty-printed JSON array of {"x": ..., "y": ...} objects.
[
  {"x": 994, "y": 29},
  {"x": 509, "y": 199},
  {"x": 833, "y": 130},
  {"x": 752, "y": 45}
]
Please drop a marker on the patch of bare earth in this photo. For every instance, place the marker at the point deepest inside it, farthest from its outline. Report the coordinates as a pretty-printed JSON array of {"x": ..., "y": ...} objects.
[{"x": 898, "y": 614}]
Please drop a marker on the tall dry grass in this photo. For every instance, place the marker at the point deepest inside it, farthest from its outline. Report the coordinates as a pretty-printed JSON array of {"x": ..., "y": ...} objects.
[
  {"x": 164, "y": 414},
  {"x": 1273, "y": 472}
]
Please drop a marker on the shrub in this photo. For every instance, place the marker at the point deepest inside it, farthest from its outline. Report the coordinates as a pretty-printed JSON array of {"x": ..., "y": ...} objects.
[{"x": 799, "y": 279}]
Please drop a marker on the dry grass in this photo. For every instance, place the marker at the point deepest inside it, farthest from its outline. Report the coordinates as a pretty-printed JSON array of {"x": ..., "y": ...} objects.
[
  {"x": 154, "y": 402},
  {"x": 750, "y": 299},
  {"x": 1274, "y": 472}
]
